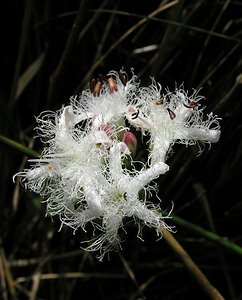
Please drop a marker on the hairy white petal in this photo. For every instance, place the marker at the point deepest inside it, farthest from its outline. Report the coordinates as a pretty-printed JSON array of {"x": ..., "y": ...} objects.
[
  {"x": 66, "y": 120},
  {"x": 200, "y": 134},
  {"x": 146, "y": 176},
  {"x": 86, "y": 173},
  {"x": 93, "y": 200}
]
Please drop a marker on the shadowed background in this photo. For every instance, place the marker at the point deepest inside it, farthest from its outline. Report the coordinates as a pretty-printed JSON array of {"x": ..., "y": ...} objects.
[{"x": 49, "y": 51}]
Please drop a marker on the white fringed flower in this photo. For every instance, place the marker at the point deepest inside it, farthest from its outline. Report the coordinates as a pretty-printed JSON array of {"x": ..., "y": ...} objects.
[
  {"x": 172, "y": 117},
  {"x": 83, "y": 174}
]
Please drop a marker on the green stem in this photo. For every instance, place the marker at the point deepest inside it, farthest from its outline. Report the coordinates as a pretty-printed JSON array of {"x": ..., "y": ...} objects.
[
  {"x": 208, "y": 234},
  {"x": 15, "y": 145},
  {"x": 21, "y": 50},
  {"x": 202, "y": 280}
]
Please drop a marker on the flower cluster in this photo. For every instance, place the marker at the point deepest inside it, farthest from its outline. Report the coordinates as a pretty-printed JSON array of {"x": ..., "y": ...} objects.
[{"x": 86, "y": 171}]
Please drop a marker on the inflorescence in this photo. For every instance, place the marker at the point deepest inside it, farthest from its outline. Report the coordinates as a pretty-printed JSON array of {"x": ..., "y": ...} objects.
[{"x": 83, "y": 174}]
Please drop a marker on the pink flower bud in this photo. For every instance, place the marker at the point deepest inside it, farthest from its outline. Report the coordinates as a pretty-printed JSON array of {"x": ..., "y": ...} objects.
[
  {"x": 130, "y": 140},
  {"x": 108, "y": 129}
]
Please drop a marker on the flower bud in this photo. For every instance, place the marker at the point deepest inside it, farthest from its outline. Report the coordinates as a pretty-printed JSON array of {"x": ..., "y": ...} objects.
[
  {"x": 108, "y": 129},
  {"x": 130, "y": 140}
]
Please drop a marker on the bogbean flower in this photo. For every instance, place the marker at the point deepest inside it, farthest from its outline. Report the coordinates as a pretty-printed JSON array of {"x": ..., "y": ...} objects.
[
  {"x": 171, "y": 117},
  {"x": 86, "y": 172}
]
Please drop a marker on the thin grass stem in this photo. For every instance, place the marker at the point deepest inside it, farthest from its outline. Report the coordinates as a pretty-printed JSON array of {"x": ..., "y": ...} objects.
[{"x": 198, "y": 275}]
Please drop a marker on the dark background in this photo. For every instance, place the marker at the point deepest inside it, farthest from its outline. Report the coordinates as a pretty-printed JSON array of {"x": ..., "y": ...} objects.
[{"x": 198, "y": 44}]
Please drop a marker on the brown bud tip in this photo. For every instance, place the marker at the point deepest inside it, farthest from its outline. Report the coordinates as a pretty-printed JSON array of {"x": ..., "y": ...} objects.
[
  {"x": 122, "y": 77},
  {"x": 92, "y": 84},
  {"x": 97, "y": 89},
  {"x": 112, "y": 85}
]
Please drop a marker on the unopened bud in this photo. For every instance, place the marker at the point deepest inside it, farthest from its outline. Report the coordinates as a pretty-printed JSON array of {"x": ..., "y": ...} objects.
[
  {"x": 112, "y": 85},
  {"x": 130, "y": 140}
]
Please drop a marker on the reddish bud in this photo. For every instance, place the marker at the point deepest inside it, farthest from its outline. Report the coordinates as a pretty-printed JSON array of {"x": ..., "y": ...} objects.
[
  {"x": 97, "y": 89},
  {"x": 112, "y": 85},
  {"x": 130, "y": 140}
]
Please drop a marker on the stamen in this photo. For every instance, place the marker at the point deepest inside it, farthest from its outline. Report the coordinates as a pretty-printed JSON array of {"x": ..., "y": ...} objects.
[
  {"x": 171, "y": 113},
  {"x": 135, "y": 115},
  {"x": 191, "y": 104},
  {"x": 159, "y": 101}
]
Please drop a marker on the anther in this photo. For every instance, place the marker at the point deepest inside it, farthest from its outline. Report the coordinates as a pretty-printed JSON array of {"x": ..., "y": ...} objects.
[
  {"x": 135, "y": 115},
  {"x": 191, "y": 104},
  {"x": 159, "y": 101},
  {"x": 171, "y": 113}
]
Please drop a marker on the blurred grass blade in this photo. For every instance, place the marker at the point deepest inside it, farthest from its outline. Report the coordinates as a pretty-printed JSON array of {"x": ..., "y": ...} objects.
[
  {"x": 126, "y": 34},
  {"x": 57, "y": 78},
  {"x": 219, "y": 64},
  {"x": 200, "y": 277},
  {"x": 7, "y": 274},
  {"x": 15, "y": 145},
  {"x": 170, "y": 22},
  {"x": 28, "y": 75},
  {"x": 22, "y": 47},
  {"x": 211, "y": 236}
]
